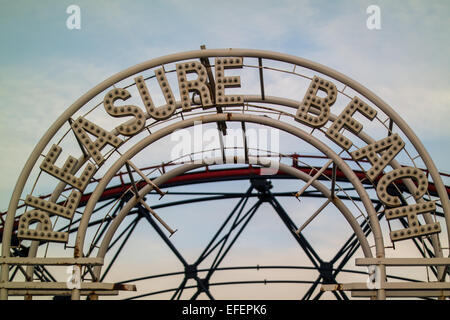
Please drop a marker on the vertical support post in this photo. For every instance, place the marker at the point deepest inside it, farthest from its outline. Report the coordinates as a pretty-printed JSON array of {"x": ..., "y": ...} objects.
[
  {"x": 381, "y": 293},
  {"x": 244, "y": 138},
  {"x": 222, "y": 147},
  {"x": 333, "y": 180},
  {"x": 4, "y": 278},
  {"x": 261, "y": 78}
]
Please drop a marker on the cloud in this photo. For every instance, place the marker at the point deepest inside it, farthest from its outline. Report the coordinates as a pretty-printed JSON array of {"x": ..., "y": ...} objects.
[{"x": 31, "y": 101}]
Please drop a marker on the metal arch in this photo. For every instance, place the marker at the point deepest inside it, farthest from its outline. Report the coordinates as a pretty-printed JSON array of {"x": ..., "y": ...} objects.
[
  {"x": 123, "y": 214},
  {"x": 175, "y": 172},
  {"x": 347, "y": 249},
  {"x": 292, "y": 104},
  {"x": 208, "y": 53},
  {"x": 232, "y": 117},
  {"x": 394, "y": 163},
  {"x": 229, "y": 117}
]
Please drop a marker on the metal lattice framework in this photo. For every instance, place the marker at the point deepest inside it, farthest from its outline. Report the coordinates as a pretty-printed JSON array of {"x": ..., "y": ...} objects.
[{"x": 355, "y": 168}]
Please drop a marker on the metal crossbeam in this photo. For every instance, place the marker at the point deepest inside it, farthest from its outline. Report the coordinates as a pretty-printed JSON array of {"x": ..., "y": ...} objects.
[
  {"x": 146, "y": 179},
  {"x": 403, "y": 294},
  {"x": 398, "y": 262},
  {"x": 52, "y": 261},
  {"x": 63, "y": 286},
  {"x": 314, "y": 178}
]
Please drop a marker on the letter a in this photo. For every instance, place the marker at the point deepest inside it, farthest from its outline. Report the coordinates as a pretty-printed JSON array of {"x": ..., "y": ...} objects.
[
  {"x": 374, "y": 20},
  {"x": 74, "y": 20}
]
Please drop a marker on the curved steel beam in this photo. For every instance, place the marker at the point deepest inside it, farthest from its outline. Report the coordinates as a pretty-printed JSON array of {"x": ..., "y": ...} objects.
[
  {"x": 292, "y": 104},
  {"x": 211, "y": 53},
  {"x": 168, "y": 175},
  {"x": 205, "y": 54}
]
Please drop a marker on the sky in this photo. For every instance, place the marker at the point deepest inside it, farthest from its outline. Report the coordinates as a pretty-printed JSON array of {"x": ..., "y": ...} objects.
[{"x": 45, "y": 66}]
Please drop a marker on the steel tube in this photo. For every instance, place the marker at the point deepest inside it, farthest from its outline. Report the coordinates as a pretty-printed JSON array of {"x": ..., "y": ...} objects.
[{"x": 211, "y": 53}]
